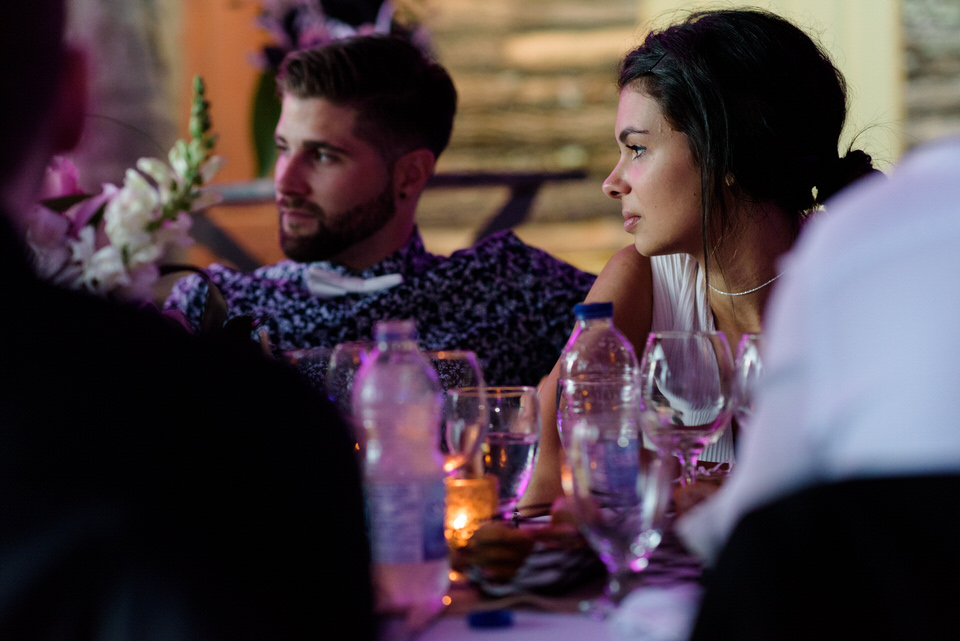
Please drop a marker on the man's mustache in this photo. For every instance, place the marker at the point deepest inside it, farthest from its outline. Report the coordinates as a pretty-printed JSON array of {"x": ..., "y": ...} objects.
[{"x": 300, "y": 204}]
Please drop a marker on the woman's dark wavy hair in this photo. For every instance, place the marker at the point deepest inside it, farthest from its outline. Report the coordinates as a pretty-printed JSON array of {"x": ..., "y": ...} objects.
[{"x": 762, "y": 107}]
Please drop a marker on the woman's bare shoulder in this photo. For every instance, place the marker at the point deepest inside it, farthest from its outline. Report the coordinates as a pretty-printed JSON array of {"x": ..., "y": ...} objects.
[{"x": 627, "y": 281}]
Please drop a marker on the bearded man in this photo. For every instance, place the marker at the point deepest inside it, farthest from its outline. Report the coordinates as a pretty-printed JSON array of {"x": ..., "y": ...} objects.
[{"x": 363, "y": 122}]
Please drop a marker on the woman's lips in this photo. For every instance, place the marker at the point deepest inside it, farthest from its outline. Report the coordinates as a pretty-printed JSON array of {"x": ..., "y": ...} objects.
[{"x": 630, "y": 221}]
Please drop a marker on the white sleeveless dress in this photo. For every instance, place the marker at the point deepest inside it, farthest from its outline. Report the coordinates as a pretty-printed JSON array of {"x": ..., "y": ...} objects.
[{"x": 680, "y": 304}]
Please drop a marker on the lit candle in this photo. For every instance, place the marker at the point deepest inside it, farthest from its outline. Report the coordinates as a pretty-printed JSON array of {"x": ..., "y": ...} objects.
[{"x": 470, "y": 503}]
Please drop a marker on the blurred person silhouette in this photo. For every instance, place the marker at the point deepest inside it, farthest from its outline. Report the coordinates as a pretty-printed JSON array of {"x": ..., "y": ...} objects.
[
  {"x": 362, "y": 124},
  {"x": 729, "y": 128},
  {"x": 839, "y": 520},
  {"x": 153, "y": 485}
]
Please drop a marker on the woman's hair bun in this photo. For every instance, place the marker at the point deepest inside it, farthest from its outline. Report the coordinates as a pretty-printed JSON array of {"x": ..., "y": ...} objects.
[{"x": 844, "y": 171}]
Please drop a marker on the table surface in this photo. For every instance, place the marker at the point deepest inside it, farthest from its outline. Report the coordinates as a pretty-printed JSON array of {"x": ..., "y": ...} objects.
[{"x": 662, "y": 607}]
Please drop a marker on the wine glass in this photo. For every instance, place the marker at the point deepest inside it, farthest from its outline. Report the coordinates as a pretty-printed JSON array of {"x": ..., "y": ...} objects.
[
  {"x": 620, "y": 500},
  {"x": 747, "y": 371},
  {"x": 465, "y": 413},
  {"x": 456, "y": 368},
  {"x": 345, "y": 361},
  {"x": 512, "y": 441},
  {"x": 686, "y": 386}
]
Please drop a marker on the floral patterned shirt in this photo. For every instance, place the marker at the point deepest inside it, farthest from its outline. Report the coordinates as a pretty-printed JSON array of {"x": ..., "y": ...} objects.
[{"x": 510, "y": 303}]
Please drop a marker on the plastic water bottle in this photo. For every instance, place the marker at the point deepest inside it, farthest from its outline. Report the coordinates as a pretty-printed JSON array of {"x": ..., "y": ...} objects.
[
  {"x": 398, "y": 404},
  {"x": 598, "y": 387}
]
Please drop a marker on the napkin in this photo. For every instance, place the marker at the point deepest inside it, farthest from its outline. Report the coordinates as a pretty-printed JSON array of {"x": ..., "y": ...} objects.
[
  {"x": 657, "y": 613},
  {"x": 327, "y": 284}
]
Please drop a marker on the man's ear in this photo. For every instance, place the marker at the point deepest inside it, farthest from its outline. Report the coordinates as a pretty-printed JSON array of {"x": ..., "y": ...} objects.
[
  {"x": 411, "y": 172},
  {"x": 70, "y": 104}
]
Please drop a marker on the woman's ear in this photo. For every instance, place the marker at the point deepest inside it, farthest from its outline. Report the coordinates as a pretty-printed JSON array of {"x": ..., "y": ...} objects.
[
  {"x": 411, "y": 172},
  {"x": 70, "y": 104}
]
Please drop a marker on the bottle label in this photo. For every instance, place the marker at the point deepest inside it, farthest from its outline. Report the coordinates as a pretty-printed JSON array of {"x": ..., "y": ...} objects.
[
  {"x": 406, "y": 521},
  {"x": 617, "y": 469}
]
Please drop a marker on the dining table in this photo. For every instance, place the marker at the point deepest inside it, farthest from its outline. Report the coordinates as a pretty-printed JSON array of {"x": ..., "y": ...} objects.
[{"x": 662, "y": 605}]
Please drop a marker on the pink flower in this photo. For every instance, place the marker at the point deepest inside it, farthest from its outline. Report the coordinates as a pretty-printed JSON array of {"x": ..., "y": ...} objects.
[
  {"x": 60, "y": 179},
  {"x": 46, "y": 229},
  {"x": 81, "y": 213}
]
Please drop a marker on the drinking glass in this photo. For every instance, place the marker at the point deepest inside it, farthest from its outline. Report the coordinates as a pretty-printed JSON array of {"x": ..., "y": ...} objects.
[
  {"x": 512, "y": 441},
  {"x": 345, "y": 361},
  {"x": 465, "y": 413},
  {"x": 312, "y": 363},
  {"x": 620, "y": 500},
  {"x": 686, "y": 386},
  {"x": 748, "y": 369},
  {"x": 456, "y": 368}
]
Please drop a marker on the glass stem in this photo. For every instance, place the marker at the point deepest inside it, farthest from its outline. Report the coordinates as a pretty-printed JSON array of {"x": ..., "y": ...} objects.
[
  {"x": 688, "y": 465},
  {"x": 618, "y": 584}
]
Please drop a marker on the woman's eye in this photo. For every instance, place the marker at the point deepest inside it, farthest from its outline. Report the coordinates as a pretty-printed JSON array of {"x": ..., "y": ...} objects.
[{"x": 637, "y": 150}]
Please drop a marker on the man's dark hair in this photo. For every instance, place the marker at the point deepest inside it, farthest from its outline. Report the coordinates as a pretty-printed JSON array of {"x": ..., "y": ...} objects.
[
  {"x": 404, "y": 99},
  {"x": 31, "y": 48}
]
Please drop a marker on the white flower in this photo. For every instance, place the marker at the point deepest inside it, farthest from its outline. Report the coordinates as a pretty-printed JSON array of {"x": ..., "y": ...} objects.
[
  {"x": 104, "y": 271},
  {"x": 143, "y": 254},
  {"x": 167, "y": 181},
  {"x": 178, "y": 158},
  {"x": 211, "y": 167},
  {"x": 110, "y": 243},
  {"x": 128, "y": 214},
  {"x": 85, "y": 245}
]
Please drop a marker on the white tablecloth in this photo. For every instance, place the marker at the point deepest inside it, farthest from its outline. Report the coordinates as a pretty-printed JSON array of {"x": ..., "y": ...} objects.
[
  {"x": 647, "y": 614},
  {"x": 662, "y": 608}
]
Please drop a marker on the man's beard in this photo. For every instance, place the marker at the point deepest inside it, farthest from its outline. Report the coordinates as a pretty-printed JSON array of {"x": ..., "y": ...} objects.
[{"x": 347, "y": 229}]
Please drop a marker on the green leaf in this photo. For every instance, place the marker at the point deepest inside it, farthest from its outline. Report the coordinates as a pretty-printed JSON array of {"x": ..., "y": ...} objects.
[
  {"x": 265, "y": 115},
  {"x": 215, "y": 309}
]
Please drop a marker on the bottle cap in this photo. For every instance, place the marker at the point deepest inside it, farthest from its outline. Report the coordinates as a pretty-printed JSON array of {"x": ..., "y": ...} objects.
[
  {"x": 490, "y": 619},
  {"x": 392, "y": 330},
  {"x": 593, "y": 310}
]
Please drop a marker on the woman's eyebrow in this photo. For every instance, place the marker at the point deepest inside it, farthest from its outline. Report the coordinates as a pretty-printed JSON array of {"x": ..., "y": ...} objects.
[{"x": 629, "y": 131}]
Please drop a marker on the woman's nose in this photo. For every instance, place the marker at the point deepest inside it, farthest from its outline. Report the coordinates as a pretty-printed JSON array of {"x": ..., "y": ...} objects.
[{"x": 614, "y": 186}]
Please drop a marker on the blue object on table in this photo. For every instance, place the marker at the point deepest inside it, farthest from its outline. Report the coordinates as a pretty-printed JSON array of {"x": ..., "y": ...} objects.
[{"x": 490, "y": 619}]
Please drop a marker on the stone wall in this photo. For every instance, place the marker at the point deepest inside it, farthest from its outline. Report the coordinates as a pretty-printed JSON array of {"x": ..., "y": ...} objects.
[
  {"x": 536, "y": 94},
  {"x": 931, "y": 30}
]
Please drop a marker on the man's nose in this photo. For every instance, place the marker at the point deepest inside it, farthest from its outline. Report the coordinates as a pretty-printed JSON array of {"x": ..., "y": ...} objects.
[{"x": 289, "y": 177}]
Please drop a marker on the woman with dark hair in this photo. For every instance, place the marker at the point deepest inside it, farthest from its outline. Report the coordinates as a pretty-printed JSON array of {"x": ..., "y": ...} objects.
[{"x": 728, "y": 126}]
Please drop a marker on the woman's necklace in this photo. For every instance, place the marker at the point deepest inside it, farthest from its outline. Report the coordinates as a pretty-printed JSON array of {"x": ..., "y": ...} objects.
[{"x": 749, "y": 291}]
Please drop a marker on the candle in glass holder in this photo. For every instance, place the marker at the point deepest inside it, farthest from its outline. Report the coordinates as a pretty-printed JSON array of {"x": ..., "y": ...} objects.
[{"x": 470, "y": 503}]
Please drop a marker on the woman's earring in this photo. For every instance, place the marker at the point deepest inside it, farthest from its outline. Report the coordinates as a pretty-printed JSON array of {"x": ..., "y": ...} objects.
[{"x": 729, "y": 180}]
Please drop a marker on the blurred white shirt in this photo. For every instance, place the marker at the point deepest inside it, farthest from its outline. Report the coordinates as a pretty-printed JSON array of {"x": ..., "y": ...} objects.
[{"x": 862, "y": 347}]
